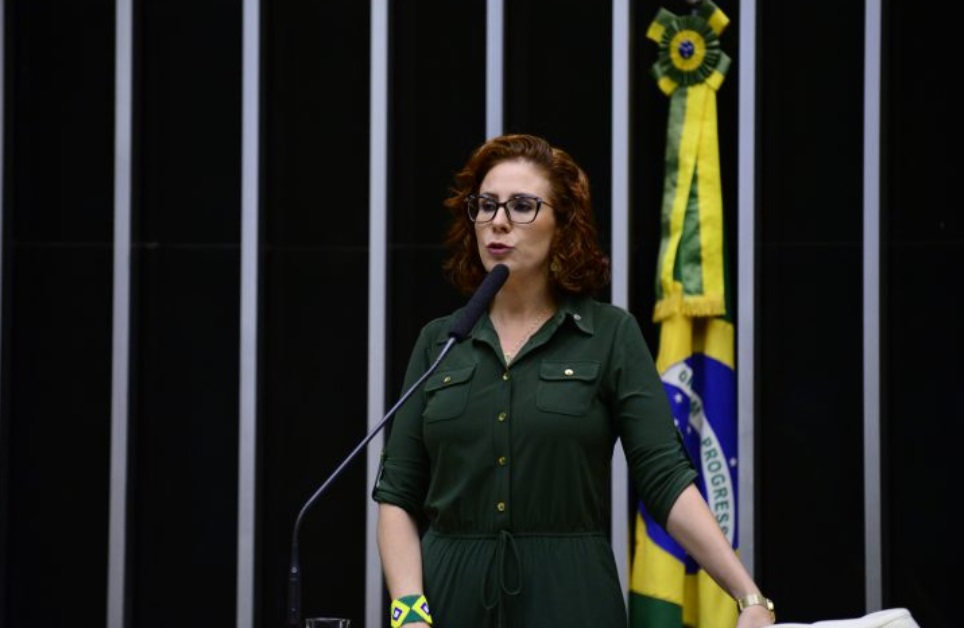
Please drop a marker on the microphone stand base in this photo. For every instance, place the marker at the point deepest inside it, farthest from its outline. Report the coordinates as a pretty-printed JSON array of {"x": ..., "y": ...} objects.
[{"x": 327, "y": 622}]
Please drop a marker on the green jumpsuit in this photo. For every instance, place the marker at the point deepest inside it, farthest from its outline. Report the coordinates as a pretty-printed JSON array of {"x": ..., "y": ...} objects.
[{"x": 511, "y": 466}]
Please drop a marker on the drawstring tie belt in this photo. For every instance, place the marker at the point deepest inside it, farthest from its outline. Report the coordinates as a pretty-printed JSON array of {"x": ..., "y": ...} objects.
[{"x": 504, "y": 554}]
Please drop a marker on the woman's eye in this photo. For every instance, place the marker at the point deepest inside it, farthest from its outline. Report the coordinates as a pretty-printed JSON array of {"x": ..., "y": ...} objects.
[{"x": 523, "y": 205}]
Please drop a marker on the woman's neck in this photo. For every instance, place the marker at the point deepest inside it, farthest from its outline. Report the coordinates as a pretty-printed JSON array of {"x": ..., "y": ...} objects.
[
  {"x": 514, "y": 303},
  {"x": 517, "y": 314}
]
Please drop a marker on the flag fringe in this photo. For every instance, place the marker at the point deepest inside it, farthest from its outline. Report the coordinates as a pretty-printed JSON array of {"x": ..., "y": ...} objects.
[{"x": 696, "y": 306}]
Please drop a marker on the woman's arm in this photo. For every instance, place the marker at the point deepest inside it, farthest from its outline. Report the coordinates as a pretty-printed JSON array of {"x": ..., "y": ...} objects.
[
  {"x": 695, "y": 528},
  {"x": 401, "y": 552}
]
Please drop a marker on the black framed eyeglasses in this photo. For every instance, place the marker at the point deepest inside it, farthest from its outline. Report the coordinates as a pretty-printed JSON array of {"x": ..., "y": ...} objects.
[{"x": 521, "y": 208}]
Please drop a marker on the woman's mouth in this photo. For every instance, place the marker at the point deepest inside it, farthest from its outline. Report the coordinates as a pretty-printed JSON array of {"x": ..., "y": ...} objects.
[{"x": 498, "y": 249}]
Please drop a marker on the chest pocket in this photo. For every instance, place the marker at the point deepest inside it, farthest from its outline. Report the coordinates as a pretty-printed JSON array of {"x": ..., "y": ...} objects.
[
  {"x": 567, "y": 387},
  {"x": 447, "y": 393}
]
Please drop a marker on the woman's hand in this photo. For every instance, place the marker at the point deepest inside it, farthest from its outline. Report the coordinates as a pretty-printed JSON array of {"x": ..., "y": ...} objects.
[{"x": 754, "y": 616}]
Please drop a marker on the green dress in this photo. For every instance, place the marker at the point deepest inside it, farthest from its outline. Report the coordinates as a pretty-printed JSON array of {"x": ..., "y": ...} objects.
[{"x": 510, "y": 466}]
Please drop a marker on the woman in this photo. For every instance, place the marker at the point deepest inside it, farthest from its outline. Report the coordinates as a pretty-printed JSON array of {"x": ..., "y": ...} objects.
[{"x": 505, "y": 452}]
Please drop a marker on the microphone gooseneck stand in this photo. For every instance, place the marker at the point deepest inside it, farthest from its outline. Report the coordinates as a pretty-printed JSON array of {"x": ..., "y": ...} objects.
[
  {"x": 458, "y": 332},
  {"x": 294, "y": 575}
]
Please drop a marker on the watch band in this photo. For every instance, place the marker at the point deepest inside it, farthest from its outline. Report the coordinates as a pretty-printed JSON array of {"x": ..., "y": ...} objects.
[{"x": 755, "y": 599}]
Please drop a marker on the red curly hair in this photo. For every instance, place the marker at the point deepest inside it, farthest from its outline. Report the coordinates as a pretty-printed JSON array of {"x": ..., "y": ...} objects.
[{"x": 577, "y": 264}]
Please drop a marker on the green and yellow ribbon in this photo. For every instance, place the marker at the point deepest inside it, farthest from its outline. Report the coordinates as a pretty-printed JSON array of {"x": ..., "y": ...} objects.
[{"x": 690, "y": 69}]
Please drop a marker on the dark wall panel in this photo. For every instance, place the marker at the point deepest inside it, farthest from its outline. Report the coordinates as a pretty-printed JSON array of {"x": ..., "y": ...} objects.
[
  {"x": 809, "y": 411},
  {"x": 57, "y": 446},
  {"x": 184, "y": 407},
  {"x": 185, "y": 313},
  {"x": 314, "y": 303},
  {"x": 60, "y": 120},
  {"x": 315, "y": 87},
  {"x": 922, "y": 249},
  {"x": 809, "y": 501},
  {"x": 58, "y": 216},
  {"x": 188, "y": 121},
  {"x": 923, "y": 371}
]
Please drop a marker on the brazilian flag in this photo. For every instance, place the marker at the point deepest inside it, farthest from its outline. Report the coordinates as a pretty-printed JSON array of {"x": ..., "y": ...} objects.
[{"x": 696, "y": 343}]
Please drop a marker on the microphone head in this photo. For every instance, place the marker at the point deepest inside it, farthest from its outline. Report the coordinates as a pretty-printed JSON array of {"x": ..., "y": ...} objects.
[
  {"x": 479, "y": 302},
  {"x": 497, "y": 277}
]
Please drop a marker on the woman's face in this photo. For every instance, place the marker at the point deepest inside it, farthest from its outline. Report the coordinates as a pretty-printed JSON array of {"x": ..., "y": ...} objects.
[{"x": 523, "y": 248}]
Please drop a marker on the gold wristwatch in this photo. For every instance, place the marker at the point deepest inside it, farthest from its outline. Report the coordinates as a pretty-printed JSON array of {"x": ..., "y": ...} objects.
[{"x": 755, "y": 599}]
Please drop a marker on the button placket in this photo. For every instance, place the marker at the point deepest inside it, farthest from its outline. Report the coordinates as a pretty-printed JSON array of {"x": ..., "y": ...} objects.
[{"x": 502, "y": 444}]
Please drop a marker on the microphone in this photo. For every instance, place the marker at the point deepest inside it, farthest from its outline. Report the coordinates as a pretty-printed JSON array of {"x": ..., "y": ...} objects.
[
  {"x": 479, "y": 301},
  {"x": 457, "y": 333}
]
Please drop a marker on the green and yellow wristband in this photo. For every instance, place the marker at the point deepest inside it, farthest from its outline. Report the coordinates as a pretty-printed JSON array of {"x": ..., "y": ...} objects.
[{"x": 409, "y": 609}]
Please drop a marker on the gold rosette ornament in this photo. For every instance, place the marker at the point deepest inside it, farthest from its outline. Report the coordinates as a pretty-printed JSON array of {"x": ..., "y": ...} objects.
[{"x": 689, "y": 48}]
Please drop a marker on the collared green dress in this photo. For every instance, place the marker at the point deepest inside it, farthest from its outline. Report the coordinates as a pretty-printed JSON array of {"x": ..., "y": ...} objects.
[{"x": 511, "y": 466}]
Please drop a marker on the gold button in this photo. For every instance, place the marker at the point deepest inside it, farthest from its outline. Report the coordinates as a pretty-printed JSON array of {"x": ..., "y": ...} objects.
[
  {"x": 502, "y": 416},
  {"x": 500, "y": 506},
  {"x": 569, "y": 372},
  {"x": 447, "y": 379},
  {"x": 502, "y": 461},
  {"x": 505, "y": 376}
]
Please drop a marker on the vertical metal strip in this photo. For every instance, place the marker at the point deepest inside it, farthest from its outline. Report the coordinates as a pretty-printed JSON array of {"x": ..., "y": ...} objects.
[
  {"x": 3, "y": 212},
  {"x": 620, "y": 261},
  {"x": 248, "y": 385},
  {"x": 871, "y": 314},
  {"x": 377, "y": 286},
  {"x": 746, "y": 280},
  {"x": 494, "y": 66},
  {"x": 123, "y": 106}
]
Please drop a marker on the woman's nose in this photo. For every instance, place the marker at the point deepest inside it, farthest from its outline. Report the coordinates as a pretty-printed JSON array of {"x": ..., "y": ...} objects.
[{"x": 501, "y": 218}]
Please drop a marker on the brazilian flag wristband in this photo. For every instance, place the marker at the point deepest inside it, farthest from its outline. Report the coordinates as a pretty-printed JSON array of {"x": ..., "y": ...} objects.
[{"x": 409, "y": 609}]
